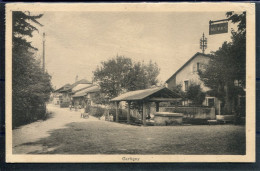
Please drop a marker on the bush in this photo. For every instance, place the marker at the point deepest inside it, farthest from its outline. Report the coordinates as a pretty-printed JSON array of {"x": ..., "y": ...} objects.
[
  {"x": 97, "y": 111},
  {"x": 65, "y": 104}
]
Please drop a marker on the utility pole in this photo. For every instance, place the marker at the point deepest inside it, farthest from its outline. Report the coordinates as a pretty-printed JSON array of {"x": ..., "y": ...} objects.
[
  {"x": 203, "y": 43},
  {"x": 43, "y": 53}
]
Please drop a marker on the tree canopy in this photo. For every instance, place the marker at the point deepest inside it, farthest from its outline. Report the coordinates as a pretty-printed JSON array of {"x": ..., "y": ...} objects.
[
  {"x": 228, "y": 65},
  {"x": 121, "y": 74},
  {"x": 31, "y": 86}
]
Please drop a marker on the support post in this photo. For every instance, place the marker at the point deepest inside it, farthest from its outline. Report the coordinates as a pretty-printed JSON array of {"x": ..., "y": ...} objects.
[
  {"x": 144, "y": 113},
  {"x": 117, "y": 103},
  {"x": 128, "y": 112},
  {"x": 157, "y": 106},
  {"x": 148, "y": 111}
]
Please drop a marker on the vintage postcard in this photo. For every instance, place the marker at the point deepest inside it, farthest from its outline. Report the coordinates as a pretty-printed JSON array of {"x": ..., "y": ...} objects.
[{"x": 130, "y": 82}]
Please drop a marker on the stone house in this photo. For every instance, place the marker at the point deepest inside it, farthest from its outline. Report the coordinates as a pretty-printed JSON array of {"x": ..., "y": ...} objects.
[{"x": 188, "y": 74}]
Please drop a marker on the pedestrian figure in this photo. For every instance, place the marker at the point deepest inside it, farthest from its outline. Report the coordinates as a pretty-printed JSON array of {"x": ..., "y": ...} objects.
[
  {"x": 83, "y": 113},
  {"x": 70, "y": 105}
]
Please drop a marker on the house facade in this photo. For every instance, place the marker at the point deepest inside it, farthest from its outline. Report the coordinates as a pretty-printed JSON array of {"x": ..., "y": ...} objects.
[
  {"x": 188, "y": 74},
  {"x": 85, "y": 96},
  {"x": 67, "y": 91}
]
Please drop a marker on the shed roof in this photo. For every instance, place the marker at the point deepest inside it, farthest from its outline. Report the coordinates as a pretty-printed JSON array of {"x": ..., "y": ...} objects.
[
  {"x": 84, "y": 92},
  {"x": 186, "y": 63},
  {"x": 162, "y": 92}
]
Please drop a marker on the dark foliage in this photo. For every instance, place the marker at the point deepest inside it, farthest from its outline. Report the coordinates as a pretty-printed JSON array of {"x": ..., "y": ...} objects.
[
  {"x": 31, "y": 86},
  {"x": 195, "y": 94},
  {"x": 228, "y": 65}
]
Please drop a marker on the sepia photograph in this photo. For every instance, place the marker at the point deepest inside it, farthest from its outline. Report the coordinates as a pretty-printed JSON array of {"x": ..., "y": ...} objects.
[{"x": 130, "y": 82}]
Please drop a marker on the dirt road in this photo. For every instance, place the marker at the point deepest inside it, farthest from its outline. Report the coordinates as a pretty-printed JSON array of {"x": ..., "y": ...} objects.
[{"x": 41, "y": 129}]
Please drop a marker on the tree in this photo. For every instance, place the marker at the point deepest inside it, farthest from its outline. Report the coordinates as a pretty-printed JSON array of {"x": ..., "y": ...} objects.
[
  {"x": 142, "y": 76},
  {"x": 31, "y": 86},
  {"x": 112, "y": 75},
  {"x": 195, "y": 94},
  {"x": 227, "y": 65},
  {"x": 120, "y": 74}
]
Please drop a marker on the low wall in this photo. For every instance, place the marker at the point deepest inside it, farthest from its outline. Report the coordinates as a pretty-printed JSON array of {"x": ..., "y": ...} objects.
[
  {"x": 192, "y": 112},
  {"x": 167, "y": 118}
]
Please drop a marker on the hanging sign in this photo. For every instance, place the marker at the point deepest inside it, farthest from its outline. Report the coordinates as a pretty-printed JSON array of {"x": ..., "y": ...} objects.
[{"x": 218, "y": 28}]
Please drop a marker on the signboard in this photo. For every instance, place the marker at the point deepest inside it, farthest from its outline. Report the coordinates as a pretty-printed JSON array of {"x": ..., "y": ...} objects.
[{"x": 218, "y": 28}]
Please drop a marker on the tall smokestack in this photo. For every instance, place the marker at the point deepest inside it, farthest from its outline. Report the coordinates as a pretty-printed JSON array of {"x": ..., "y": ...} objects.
[
  {"x": 76, "y": 79},
  {"x": 43, "y": 53}
]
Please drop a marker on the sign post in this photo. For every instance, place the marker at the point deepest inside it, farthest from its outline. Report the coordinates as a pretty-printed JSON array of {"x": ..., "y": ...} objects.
[{"x": 218, "y": 28}]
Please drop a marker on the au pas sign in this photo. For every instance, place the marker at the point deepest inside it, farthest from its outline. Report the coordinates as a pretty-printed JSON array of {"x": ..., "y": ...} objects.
[{"x": 218, "y": 28}]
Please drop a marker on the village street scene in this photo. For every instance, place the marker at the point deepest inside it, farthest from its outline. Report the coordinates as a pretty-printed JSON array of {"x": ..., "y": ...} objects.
[{"x": 129, "y": 83}]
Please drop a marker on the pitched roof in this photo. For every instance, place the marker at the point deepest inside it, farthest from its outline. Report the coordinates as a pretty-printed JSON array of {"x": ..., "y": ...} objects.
[
  {"x": 194, "y": 56},
  {"x": 68, "y": 87},
  {"x": 83, "y": 81},
  {"x": 142, "y": 94},
  {"x": 92, "y": 89},
  {"x": 63, "y": 88}
]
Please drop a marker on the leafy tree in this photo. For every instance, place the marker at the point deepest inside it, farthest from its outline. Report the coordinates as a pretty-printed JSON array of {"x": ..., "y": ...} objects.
[
  {"x": 227, "y": 65},
  {"x": 112, "y": 75},
  {"x": 142, "y": 76},
  {"x": 120, "y": 74},
  {"x": 100, "y": 98},
  {"x": 31, "y": 86},
  {"x": 195, "y": 94}
]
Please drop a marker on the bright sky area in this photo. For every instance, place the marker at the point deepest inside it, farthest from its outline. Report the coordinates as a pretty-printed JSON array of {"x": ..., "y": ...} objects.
[{"x": 76, "y": 42}]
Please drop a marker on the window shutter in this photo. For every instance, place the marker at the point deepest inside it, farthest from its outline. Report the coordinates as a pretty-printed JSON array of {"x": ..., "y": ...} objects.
[{"x": 194, "y": 67}]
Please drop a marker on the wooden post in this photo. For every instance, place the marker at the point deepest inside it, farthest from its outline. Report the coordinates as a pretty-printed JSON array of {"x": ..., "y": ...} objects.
[
  {"x": 157, "y": 106},
  {"x": 128, "y": 112},
  {"x": 148, "y": 110},
  {"x": 144, "y": 113},
  {"x": 117, "y": 103}
]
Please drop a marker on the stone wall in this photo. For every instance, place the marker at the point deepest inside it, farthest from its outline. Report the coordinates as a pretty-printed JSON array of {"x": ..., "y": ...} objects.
[{"x": 192, "y": 112}]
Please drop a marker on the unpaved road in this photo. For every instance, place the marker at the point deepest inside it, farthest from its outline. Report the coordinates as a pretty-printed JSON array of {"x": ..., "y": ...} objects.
[
  {"x": 35, "y": 131},
  {"x": 67, "y": 133}
]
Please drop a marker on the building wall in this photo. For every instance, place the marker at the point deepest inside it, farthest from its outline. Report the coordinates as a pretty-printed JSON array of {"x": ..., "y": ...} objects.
[
  {"x": 65, "y": 97},
  {"x": 189, "y": 73},
  {"x": 171, "y": 83}
]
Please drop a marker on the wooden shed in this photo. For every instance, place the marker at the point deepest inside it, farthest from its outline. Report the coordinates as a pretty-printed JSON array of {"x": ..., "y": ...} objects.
[{"x": 146, "y": 96}]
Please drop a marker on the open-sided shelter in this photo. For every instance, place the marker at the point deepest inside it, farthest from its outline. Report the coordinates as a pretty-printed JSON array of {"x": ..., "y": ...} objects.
[{"x": 146, "y": 96}]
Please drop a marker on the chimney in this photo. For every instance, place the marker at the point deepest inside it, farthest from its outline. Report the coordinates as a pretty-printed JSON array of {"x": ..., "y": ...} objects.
[{"x": 76, "y": 79}]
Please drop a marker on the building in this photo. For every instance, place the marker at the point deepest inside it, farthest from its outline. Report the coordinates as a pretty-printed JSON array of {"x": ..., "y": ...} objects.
[
  {"x": 63, "y": 94},
  {"x": 188, "y": 74},
  {"x": 68, "y": 90},
  {"x": 85, "y": 95}
]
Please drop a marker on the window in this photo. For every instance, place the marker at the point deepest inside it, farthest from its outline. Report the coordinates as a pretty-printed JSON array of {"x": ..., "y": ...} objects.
[
  {"x": 186, "y": 85},
  {"x": 211, "y": 102},
  {"x": 198, "y": 67}
]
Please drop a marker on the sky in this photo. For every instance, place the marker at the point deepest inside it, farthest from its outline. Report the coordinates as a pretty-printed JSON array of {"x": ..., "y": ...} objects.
[{"x": 77, "y": 42}]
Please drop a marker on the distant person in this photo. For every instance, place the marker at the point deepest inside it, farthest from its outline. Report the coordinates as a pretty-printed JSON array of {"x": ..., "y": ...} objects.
[
  {"x": 70, "y": 105},
  {"x": 83, "y": 113}
]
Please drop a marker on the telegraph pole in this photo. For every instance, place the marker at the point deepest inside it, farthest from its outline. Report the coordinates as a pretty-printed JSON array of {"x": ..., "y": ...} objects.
[
  {"x": 203, "y": 43},
  {"x": 43, "y": 53}
]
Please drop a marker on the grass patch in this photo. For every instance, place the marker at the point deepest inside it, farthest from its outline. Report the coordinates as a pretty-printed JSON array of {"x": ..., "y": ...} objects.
[{"x": 98, "y": 137}]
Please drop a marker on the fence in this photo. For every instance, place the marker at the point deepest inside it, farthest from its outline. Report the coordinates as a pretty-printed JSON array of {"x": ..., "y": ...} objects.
[{"x": 192, "y": 112}]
